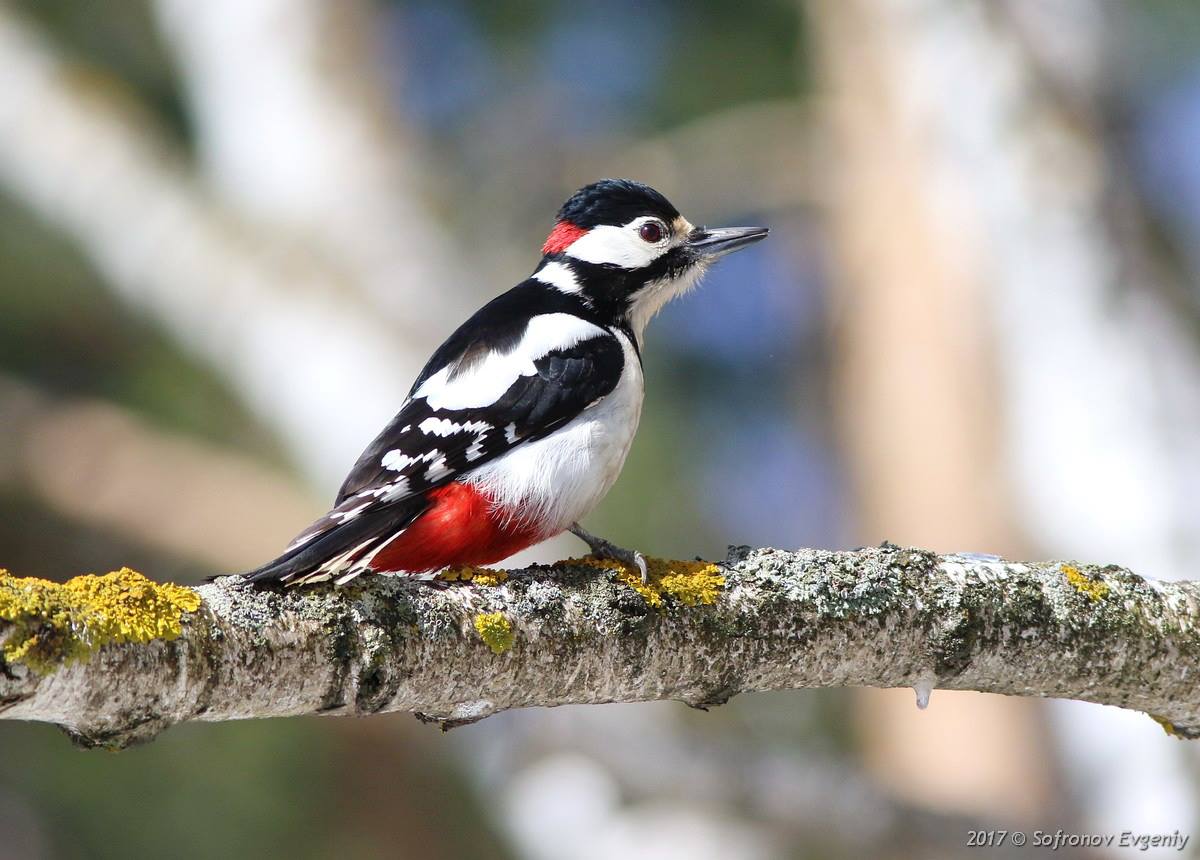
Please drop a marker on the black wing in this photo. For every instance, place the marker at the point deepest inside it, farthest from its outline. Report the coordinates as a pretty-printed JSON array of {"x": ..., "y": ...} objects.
[{"x": 425, "y": 447}]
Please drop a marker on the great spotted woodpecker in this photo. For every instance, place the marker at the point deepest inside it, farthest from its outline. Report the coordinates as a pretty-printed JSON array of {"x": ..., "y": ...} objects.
[{"x": 520, "y": 422}]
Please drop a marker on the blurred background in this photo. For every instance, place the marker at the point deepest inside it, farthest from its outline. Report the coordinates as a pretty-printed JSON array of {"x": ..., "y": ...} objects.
[{"x": 232, "y": 231}]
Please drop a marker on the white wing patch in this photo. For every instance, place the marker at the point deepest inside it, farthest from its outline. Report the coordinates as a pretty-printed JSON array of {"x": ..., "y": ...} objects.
[
  {"x": 475, "y": 450},
  {"x": 398, "y": 461},
  {"x": 445, "y": 427},
  {"x": 343, "y": 517},
  {"x": 392, "y": 490},
  {"x": 485, "y": 382},
  {"x": 437, "y": 470}
]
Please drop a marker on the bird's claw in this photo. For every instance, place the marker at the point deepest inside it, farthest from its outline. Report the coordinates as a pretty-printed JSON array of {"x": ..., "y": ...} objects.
[
  {"x": 629, "y": 556},
  {"x": 602, "y": 548},
  {"x": 636, "y": 558}
]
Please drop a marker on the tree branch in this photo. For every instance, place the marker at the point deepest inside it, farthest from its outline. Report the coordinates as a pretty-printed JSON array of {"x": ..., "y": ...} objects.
[{"x": 574, "y": 634}]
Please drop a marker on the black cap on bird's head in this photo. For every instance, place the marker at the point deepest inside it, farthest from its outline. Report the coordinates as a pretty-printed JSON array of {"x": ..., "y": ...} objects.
[
  {"x": 614, "y": 201},
  {"x": 623, "y": 247}
]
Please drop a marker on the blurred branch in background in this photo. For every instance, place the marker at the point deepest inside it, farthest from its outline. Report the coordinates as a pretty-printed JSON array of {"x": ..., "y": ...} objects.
[
  {"x": 104, "y": 467},
  {"x": 296, "y": 132},
  {"x": 265, "y": 313},
  {"x": 778, "y": 166},
  {"x": 589, "y": 633}
]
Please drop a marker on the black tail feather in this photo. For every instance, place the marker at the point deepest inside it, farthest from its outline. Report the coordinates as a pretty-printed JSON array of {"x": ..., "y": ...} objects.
[{"x": 338, "y": 538}]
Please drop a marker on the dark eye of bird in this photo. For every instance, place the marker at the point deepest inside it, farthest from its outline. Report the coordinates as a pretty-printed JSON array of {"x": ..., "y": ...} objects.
[{"x": 651, "y": 232}]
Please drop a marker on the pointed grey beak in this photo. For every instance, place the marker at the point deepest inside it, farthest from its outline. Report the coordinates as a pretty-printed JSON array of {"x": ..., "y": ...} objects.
[{"x": 719, "y": 241}]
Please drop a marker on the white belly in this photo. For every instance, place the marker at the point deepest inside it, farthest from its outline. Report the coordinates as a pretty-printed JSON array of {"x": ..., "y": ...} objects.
[{"x": 561, "y": 478}]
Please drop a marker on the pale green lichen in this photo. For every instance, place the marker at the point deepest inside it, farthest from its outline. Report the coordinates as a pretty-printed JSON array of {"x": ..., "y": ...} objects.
[
  {"x": 495, "y": 630},
  {"x": 1095, "y": 589},
  {"x": 54, "y": 623},
  {"x": 690, "y": 582}
]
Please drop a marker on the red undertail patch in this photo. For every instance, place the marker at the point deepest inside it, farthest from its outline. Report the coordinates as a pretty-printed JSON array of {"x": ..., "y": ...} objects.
[
  {"x": 563, "y": 234},
  {"x": 461, "y": 526}
]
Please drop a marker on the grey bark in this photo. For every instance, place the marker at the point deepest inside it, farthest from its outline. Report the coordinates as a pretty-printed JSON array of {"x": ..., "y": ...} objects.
[{"x": 883, "y": 617}]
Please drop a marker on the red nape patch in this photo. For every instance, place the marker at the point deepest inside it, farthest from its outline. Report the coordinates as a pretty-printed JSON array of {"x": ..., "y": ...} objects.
[
  {"x": 563, "y": 234},
  {"x": 460, "y": 527}
]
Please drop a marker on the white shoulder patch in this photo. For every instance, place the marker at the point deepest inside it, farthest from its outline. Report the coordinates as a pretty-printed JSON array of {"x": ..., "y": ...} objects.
[
  {"x": 484, "y": 383},
  {"x": 558, "y": 276},
  {"x": 548, "y": 332}
]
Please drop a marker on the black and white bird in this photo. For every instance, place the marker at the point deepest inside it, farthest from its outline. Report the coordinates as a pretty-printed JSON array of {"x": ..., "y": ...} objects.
[{"x": 520, "y": 422}]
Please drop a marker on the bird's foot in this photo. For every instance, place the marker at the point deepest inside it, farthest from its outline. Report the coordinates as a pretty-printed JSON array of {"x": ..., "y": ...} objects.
[{"x": 602, "y": 548}]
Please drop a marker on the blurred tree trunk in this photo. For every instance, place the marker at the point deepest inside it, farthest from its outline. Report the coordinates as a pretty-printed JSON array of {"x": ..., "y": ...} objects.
[
  {"x": 918, "y": 399},
  {"x": 971, "y": 135}
]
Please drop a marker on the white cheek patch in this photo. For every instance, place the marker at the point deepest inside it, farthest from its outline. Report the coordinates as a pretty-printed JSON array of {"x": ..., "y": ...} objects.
[
  {"x": 558, "y": 276},
  {"x": 483, "y": 383},
  {"x": 616, "y": 246}
]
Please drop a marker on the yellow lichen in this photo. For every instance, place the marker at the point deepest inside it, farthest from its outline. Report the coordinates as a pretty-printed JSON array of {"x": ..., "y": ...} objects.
[
  {"x": 1096, "y": 589},
  {"x": 53, "y": 623},
  {"x": 489, "y": 578},
  {"x": 495, "y": 630},
  {"x": 690, "y": 582},
  {"x": 1167, "y": 725},
  {"x": 484, "y": 576},
  {"x": 693, "y": 582},
  {"x": 457, "y": 574}
]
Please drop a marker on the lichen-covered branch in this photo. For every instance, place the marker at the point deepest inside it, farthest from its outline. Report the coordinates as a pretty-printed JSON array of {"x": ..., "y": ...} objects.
[{"x": 116, "y": 659}]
